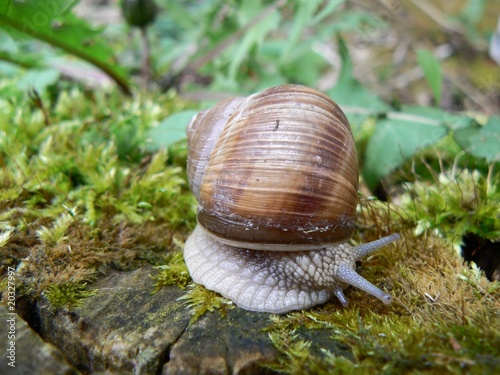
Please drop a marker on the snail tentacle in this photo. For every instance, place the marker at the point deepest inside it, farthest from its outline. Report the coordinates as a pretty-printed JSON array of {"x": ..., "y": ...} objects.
[
  {"x": 339, "y": 293},
  {"x": 346, "y": 274},
  {"x": 368, "y": 248}
]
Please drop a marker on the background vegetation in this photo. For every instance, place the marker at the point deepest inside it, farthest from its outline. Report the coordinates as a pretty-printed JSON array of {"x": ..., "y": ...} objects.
[{"x": 93, "y": 109}]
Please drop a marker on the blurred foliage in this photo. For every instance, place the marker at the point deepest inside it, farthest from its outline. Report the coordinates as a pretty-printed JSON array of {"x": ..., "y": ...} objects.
[
  {"x": 139, "y": 13},
  {"x": 241, "y": 46},
  {"x": 432, "y": 71},
  {"x": 90, "y": 178},
  {"x": 52, "y": 22}
]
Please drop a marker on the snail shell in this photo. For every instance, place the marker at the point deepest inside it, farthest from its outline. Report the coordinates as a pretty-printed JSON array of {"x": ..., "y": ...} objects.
[{"x": 276, "y": 176}]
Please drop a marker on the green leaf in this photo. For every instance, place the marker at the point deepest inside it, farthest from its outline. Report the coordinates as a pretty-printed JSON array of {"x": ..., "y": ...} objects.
[
  {"x": 481, "y": 141},
  {"x": 436, "y": 116},
  {"x": 253, "y": 38},
  {"x": 38, "y": 79},
  {"x": 25, "y": 61},
  {"x": 170, "y": 130},
  {"x": 473, "y": 11},
  {"x": 304, "y": 66},
  {"x": 432, "y": 71},
  {"x": 348, "y": 91},
  {"x": 52, "y": 22},
  {"x": 329, "y": 8},
  {"x": 16, "y": 52},
  {"x": 394, "y": 141},
  {"x": 302, "y": 19}
]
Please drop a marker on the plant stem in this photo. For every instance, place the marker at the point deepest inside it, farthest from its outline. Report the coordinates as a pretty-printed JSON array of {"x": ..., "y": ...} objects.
[{"x": 146, "y": 56}]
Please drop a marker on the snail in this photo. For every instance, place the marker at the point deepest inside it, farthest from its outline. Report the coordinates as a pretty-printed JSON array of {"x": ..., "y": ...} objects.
[{"x": 276, "y": 177}]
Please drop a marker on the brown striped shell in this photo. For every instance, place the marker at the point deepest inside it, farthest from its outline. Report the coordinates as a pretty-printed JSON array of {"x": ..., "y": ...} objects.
[{"x": 276, "y": 170}]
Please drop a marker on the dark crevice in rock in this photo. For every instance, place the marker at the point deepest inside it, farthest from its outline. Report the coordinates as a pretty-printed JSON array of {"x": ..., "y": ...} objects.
[
  {"x": 230, "y": 369},
  {"x": 164, "y": 357},
  {"x": 27, "y": 308},
  {"x": 233, "y": 344},
  {"x": 32, "y": 355}
]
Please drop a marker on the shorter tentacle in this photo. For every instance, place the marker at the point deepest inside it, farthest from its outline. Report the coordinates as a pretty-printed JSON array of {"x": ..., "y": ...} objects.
[
  {"x": 367, "y": 248},
  {"x": 347, "y": 275},
  {"x": 339, "y": 293}
]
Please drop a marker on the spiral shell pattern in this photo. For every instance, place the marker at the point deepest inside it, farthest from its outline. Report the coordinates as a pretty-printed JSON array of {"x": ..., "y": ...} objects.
[{"x": 280, "y": 172}]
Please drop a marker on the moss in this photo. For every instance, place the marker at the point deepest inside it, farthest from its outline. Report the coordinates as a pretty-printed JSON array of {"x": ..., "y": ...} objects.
[
  {"x": 67, "y": 294},
  {"x": 201, "y": 300},
  {"x": 296, "y": 357},
  {"x": 51, "y": 236},
  {"x": 428, "y": 337},
  {"x": 444, "y": 317},
  {"x": 78, "y": 190},
  {"x": 455, "y": 204},
  {"x": 174, "y": 272}
]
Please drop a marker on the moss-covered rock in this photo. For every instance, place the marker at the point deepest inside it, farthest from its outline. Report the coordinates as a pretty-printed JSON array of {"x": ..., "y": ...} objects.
[{"x": 122, "y": 328}]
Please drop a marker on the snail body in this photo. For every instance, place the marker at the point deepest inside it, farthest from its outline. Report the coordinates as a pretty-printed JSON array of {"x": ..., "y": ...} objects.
[{"x": 276, "y": 176}]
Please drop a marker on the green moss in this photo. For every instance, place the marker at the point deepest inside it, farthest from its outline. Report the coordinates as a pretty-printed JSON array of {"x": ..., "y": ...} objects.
[
  {"x": 296, "y": 358},
  {"x": 68, "y": 294},
  {"x": 444, "y": 317},
  {"x": 174, "y": 272},
  {"x": 51, "y": 236},
  {"x": 201, "y": 300},
  {"x": 82, "y": 162},
  {"x": 385, "y": 344},
  {"x": 454, "y": 205},
  {"x": 78, "y": 190}
]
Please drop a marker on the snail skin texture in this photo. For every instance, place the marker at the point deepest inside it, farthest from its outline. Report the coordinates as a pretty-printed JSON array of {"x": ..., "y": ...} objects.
[{"x": 276, "y": 177}]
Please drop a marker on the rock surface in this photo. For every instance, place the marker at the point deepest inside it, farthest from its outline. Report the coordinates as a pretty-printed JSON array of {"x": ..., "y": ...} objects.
[
  {"x": 126, "y": 329},
  {"x": 123, "y": 328},
  {"x": 235, "y": 344},
  {"x": 32, "y": 354}
]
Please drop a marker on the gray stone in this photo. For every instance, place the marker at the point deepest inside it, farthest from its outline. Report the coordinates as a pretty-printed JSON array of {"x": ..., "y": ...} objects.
[
  {"x": 32, "y": 354},
  {"x": 235, "y": 344},
  {"x": 124, "y": 328}
]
